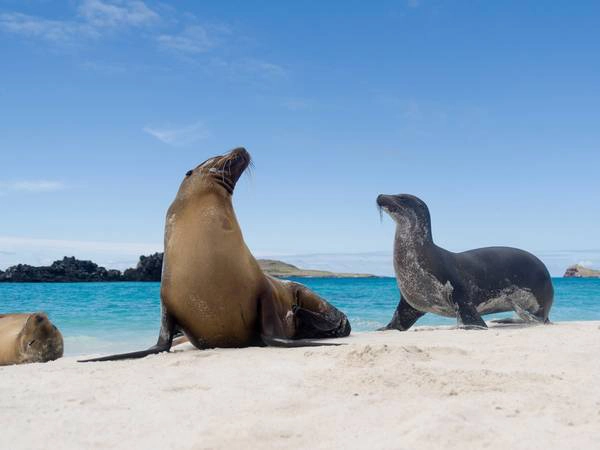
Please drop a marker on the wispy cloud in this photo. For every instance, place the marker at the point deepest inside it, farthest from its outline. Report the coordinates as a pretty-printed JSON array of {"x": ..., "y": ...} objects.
[
  {"x": 32, "y": 186},
  {"x": 258, "y": 66},
  {"x": 94, "y": 17},
  {"x": 177, "y": 33},
  {"x": 114, "y": 14},
  {"x": 51, "y": 30},
  {"x": 193, "y": 39},
  {"x": 179, "y": 135}
]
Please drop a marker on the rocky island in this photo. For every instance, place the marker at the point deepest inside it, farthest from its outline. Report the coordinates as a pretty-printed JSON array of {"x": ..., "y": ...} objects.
[
  {"x": 148, "y": 268},
  {"x": 579, "y": 271}
]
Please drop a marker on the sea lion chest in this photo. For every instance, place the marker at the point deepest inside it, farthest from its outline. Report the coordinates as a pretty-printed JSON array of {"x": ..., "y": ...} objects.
[
  {"x": 419, "y": 285},
  {"x": 210, "y": 283}
]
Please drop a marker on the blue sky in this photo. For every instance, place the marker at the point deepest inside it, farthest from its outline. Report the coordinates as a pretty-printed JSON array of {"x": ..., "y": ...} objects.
[{"x": 488, "y": 111}]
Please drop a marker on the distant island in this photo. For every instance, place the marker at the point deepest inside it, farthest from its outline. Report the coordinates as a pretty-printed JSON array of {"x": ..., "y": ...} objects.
[
  {"x": 281, "y": 269},
  {"x": 579, "y": 271},
  {"x": 148, "y": 268}
]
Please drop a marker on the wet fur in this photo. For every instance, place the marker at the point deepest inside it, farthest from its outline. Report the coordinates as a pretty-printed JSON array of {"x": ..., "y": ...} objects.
[{"x": 463, "y": 285}]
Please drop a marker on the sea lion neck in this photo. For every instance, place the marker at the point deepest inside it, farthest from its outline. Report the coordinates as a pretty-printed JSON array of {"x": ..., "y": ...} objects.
[{"x": 415, "y": 236}]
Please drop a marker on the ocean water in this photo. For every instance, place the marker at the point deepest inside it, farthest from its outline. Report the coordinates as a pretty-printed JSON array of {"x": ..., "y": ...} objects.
[{"x": 98, "y": 318}]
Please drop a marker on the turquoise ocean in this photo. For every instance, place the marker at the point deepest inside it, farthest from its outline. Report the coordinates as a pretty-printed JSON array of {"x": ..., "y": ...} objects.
[{"x": 114, "y": 317}]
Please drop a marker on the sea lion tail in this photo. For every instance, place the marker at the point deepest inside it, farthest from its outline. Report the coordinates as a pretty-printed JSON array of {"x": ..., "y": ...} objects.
[
  {"x": 168, "y": 330},
  {"x": 132, "y": 355},
  {"x": 291, "y": 343}
]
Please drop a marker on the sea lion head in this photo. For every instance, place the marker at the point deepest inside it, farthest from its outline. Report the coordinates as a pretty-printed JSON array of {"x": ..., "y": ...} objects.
[
  {"x": 40, "y": 340},
  {"x": 410, "y": 214},
  {"x": 216, "y": 174}
]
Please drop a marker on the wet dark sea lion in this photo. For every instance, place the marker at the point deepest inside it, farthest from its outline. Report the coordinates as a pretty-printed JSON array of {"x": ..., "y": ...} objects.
[
  {"x": 213, "y": 289},
  {"x": 28, "y": 338},
  {"x": 463, "y": 285}
]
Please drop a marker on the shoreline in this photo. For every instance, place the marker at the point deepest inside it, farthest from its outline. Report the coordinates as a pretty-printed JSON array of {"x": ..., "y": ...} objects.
[{"x": 431, "y": 387}]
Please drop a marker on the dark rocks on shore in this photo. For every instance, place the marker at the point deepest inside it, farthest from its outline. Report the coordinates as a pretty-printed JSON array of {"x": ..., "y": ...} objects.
[
  {"x": 149, "y": 268},
  {"x": 66, "y": 269},
  {"x": 70, "y": 269}
]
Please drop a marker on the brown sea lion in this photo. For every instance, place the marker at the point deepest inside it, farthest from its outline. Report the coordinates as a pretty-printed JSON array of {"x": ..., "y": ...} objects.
[
  {"x": 28, "y": 338},
  {"x": 213, "y": 289}
]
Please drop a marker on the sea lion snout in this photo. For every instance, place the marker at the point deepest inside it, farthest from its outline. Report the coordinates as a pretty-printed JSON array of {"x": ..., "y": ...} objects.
[
  {"x": 390, "y": 203},
  {"x": 401, "y": 203},
  {"x": 226, "y": 169},
  {"x": 237, "y": 161}
]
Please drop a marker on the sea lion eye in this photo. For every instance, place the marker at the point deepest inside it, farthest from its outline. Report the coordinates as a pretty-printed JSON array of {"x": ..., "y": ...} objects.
[{"x": 188, "y": 173}]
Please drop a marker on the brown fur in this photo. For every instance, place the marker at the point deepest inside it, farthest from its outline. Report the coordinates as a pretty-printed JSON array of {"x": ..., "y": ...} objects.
[
  {"x": 213, "y": 289},
  {"x": 27, "y": 338},
  {"x": 211, "y": 283}
]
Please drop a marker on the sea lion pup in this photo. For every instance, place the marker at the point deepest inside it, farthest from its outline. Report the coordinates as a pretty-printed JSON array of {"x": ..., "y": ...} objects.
[
  {"x": 462, "y": 285},
  {"x": 28, "y": 338},
  {"x": 213, "y": 289}
]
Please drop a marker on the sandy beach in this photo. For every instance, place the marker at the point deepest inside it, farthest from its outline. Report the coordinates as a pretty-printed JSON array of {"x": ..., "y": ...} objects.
[{"x": 508, "y": 387}]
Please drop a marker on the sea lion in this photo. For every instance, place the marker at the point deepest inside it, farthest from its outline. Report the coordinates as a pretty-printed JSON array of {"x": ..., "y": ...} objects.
[
  {"x": 213, "y": 289},
  {"x": 28, "y": 338},
  {"x": 462, "y": 285}
]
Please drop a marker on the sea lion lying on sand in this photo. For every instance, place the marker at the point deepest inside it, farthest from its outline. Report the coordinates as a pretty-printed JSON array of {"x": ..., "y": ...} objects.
[
  {"x": 28, "y": 338},
  {"x": 213, "y": 289},
  {"x": 462, "y": 285}
]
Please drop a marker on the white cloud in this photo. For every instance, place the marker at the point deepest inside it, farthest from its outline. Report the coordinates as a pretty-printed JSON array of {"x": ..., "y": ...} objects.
[
  {"x": 50, "y": 30},
  {"x": 113, "y": 14},
  {"x": 193, "y": 39},
  {"x": 32, "y": 186},
  {"x": 94, "y": 17},
  {"x": 258, "y": 66},
  {"x": 179, "y": 136}
]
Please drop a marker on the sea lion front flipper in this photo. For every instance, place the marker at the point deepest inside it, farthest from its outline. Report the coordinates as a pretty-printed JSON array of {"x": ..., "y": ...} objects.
[
  {"x": 467, "y": 316},
  {"x": 404, "y": 317},
  {"x": 165, "y": 340}
]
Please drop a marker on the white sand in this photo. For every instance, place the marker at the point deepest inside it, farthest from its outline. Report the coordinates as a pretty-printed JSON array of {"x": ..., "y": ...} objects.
[{"x": 504, "y": 388}]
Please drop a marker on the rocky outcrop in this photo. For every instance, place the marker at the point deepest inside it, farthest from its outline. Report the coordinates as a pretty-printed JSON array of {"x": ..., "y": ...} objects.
[
  {"x": 65, "y": 270},
  {"x": 579, "y": 271},
  {"x": 149, "y": 268}
]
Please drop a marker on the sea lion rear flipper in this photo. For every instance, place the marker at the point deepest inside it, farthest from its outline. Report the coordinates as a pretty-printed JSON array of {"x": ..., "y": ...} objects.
[
  {"x": 271, "y": 341},
  {"x": 165, "y": 339},
  {"x": 278, "y": 325}
]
